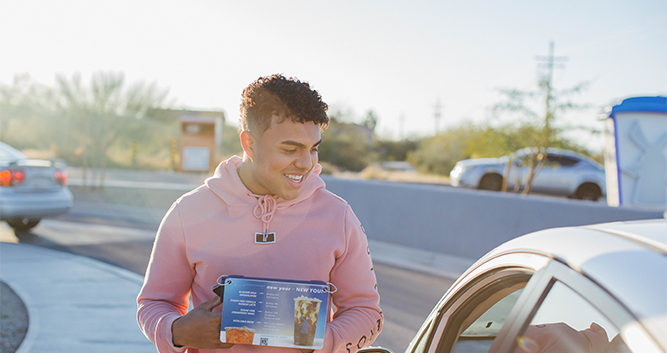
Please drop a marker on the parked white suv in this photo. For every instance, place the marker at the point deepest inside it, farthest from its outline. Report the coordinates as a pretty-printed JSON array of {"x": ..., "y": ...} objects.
[{"x": 566, "y": 173}]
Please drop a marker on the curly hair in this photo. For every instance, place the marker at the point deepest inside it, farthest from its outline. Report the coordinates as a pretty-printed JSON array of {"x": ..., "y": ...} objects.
[{"x": 284, "y": 97}]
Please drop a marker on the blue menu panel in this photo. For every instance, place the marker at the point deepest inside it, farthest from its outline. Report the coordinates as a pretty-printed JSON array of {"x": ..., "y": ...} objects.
[{"x": 281, "y": 313}]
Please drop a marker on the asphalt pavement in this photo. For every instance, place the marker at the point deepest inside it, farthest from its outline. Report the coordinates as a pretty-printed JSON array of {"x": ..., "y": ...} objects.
[{"x": 79, "y": 304}]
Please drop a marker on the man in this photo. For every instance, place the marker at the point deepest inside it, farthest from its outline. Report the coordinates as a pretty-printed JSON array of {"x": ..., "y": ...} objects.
[{"x": 267, "y": 215}]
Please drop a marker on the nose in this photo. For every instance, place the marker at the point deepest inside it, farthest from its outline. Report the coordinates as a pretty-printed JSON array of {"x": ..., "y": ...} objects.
[{"x": 306, "y": 160}]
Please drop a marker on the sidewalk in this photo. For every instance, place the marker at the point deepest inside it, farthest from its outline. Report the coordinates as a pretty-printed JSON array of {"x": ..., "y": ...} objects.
[{"x": 75, "y": 304}]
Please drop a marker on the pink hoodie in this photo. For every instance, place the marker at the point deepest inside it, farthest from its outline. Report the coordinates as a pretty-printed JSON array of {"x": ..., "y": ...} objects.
[{"x": 210, "y": 231}]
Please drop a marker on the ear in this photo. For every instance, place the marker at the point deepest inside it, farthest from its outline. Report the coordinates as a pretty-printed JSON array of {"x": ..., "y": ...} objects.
[{"x": 247, "y": 142}]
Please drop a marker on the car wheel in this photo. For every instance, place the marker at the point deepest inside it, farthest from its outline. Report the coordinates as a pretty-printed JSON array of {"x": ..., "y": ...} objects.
[
  {"x": 22, "y": 224},
  {"x": 589, "y": 192},
  {"x": 492, "y": 182}
]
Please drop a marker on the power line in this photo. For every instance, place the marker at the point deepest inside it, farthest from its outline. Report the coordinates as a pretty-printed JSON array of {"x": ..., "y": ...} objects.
[
  {"x": 550, "y": 62},
  {"x": 437, "y": 115},
  {"x": 401, "y": 126}
]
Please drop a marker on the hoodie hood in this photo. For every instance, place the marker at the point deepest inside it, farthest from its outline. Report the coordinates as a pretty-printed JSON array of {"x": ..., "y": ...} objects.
[{"x": 227, "y": 185}]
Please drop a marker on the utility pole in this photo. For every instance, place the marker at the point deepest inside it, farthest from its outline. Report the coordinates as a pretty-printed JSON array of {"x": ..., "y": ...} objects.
[
  {"x": 436, "y": 115},
  {"x": 549, "y": 62},
  {"x": 401, "y": 126},
  {"x": 538, "y": 159}
]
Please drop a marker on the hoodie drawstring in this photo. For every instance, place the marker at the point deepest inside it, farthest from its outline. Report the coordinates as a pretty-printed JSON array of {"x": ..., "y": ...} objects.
[{"x": 265, "y": 209}]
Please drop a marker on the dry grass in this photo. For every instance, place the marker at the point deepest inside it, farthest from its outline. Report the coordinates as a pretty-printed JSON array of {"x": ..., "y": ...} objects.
[
  {"x": 39, "y": 153},
  {"x": 121, "y": 158},
  {"x": 377, "y": 173}
]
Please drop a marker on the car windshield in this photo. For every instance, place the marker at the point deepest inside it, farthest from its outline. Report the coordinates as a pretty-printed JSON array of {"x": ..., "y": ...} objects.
[{"x": 8, "y": 153}]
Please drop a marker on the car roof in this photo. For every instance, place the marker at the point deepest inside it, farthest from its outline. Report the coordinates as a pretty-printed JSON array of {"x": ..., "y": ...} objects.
[
  {"x": 651, "y": 233},
  {"x": 564, "y": 152},
  {"x": 643, "y": 234},
  {"x": 627, "y": 259},
  {"x": 480, "y": 161},
  {"x": 527, "y": 150}
]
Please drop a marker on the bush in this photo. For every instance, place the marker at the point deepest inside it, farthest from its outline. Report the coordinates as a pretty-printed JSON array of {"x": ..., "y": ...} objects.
[
  {"x": 438, "y": 154},
  {"x": 389, "y": 150},
  {"x": 347, "y": 146}
]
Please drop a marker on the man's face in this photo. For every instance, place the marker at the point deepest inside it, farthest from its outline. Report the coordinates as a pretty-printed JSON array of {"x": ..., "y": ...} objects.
[{"x": 283, "y": 157}]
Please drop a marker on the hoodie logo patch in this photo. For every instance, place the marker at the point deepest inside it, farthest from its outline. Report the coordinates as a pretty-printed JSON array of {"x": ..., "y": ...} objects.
[{"x": 265, "y": 238}]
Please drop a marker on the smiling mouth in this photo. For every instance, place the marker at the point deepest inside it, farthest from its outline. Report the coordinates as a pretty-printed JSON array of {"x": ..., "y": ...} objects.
[{"x": 295, "y": 178}]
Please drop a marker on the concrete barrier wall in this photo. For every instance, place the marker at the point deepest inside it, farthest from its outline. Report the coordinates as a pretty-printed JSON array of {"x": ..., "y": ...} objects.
[
  {"x": 463, "y": 222},
  {"x": 459, "y": 222}
]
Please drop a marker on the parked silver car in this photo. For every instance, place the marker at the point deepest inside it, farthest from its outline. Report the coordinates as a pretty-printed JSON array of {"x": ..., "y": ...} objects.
[
  {"x": 565, "y": 173},
  {"x": 597, "y": 288},
  {"x": 31, "y": 189}
]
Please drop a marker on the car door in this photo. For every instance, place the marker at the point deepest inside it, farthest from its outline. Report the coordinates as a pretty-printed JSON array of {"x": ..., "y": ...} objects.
[
  {"x": 473, "y": 312},
  {"x": 556, "y": 176},
  {"x": 564, "y": 311}
]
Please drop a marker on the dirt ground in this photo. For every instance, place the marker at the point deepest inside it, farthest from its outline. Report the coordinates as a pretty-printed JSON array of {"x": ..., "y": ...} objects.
[{"x": 13, "y": 319}]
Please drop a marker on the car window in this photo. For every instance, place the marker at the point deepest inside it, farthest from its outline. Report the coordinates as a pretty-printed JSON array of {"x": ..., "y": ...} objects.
[
  {"x": 566, "y": 322},
  {"x": 488, "y": 293},
  {"x": 567, "y": 161},
  {"x": 475, "y": 323},
  {"x": 560, "y": 160},
  {"x": 479, "y": 336}
]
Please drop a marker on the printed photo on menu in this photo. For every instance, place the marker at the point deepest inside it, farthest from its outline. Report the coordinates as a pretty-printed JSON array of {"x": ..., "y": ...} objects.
[{"x": 280, "y": 313}]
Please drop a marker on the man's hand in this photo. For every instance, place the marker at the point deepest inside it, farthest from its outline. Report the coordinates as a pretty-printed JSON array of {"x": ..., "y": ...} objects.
[{"x": 200, "y": 328}]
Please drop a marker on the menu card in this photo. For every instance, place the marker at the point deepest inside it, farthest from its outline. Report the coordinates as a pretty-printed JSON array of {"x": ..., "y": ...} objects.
[{"x": 269, "y": 312}]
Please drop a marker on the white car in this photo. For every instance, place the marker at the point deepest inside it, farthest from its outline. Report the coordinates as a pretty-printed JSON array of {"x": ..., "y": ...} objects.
[
  {"x": 596, "y": 288},
  {"x": 31, "y": 189},
  {"x": 566, "y": 173}
]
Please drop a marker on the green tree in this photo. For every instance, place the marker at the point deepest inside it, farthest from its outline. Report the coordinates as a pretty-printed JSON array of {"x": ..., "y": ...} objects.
[
  {"x": 25, "y": 109},
  {"x": 371, "y": 120},
  {"x": 390, "y": 150},
  {"x": 537, "y": 135},
  {"x": 348, "y": 146},
  {"x": 490, "y": 141},
  {"x": 439, "y": 153},
  {"x": 96, "y": 116},
  {"x": 555, "y": 104},
  {"x": 230, "y": 141}
]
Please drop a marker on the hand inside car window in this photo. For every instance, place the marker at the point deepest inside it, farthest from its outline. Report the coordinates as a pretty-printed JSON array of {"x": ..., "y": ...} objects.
[
  {"x": 566, "y": 322},
  {"x": 561, "y": 338}
]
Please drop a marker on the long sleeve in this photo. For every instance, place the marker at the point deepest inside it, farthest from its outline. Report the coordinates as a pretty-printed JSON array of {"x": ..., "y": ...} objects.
[
  {"x": 358, "y": 318},
  {"x": 211, "y": 230},
  {"x": 164, "y": 295}
]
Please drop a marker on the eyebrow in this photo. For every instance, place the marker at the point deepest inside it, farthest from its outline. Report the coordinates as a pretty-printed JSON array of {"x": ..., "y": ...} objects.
[{"x": 300, "y": 145}]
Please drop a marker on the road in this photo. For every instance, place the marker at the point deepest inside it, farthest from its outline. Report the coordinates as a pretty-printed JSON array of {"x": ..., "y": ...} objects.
[{"x": 407, "y": 297}]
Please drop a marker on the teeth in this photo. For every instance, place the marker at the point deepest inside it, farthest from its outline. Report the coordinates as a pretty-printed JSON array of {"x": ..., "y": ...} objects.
[{"x": 295, "y": 178}]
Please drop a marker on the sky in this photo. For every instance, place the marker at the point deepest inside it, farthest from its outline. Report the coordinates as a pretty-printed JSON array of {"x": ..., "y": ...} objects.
[{"x": 396, "y": 58}]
